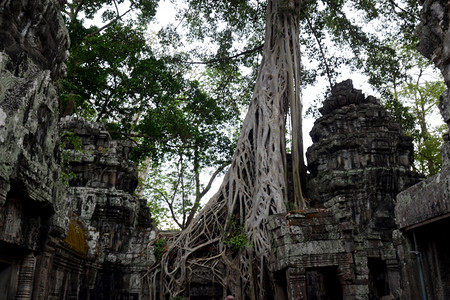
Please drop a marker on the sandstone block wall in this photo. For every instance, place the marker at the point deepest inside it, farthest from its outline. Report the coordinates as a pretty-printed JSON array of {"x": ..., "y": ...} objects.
[
  {"x": 423, "y": 211},
  {"x": 342, "y": 247},
  {"x": 110, "y": 228},
  {"x": 82, "y": 239},
  {"x": 33, "y": 47}
]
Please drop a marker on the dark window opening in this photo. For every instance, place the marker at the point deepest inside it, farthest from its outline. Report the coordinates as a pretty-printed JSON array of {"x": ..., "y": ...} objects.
[
  {"x": 378, "y": 284},
  {"x": 205, "y": 291},
  {"x": 5, "y": 276},
  {"x": 281, "y": 285},
  {"x": 323, "y": 284}
]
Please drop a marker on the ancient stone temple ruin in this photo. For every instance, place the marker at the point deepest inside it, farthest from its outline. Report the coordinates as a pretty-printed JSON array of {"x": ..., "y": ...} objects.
[
  {"x": 33, "y": 211},
  {"x": 423, "y": 211},
  {"x": 360, "y": 159},
  {"x": 86, "y": 238},
  {"x": 71, "y": 226},
  {"x": 110, "y": 228}
]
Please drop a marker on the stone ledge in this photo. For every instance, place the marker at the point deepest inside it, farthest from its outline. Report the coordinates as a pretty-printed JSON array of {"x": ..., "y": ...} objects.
[{"x": 433, "y": 194}]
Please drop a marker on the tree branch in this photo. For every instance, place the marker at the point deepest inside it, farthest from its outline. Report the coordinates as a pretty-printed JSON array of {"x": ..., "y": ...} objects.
[
  {"x": 108, "y": 24},
  {"x": 169, "y": 204},
  {"x": 322, "y": 53},
  {"x": 220, "y": 59},
  {"x": 404, "y": 10},
  {"x": 77, "y": 10},
  {"x": 213, "y": 177},
  {"x": 203, "y": 193},
  {"x": 117, "y": 8}
]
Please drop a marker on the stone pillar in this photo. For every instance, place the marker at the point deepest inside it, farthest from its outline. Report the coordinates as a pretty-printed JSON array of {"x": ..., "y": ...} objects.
[
  {"x": 43, "y": 271},
  {"x": 393, "y": 273},
  {"x": 358, "y": 289},
  {"x": 296, "y": 280},
  {"x": 26, "y": 276}
]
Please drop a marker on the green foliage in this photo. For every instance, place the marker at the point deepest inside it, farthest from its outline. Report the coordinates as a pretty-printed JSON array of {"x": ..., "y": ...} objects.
[
  {"x": 401, "y": 113},
  {"x": 160, "y": 213},
  {"x": 427, "y": 132},
  {"x": 290, "y": 207},
  {"x": 229, "y": 35},
  {"x": 115, "y": 76},
  {"x": 70, "y": 147},
  {"x": 334, "y": 33},
  {"x": 178, "y": 115},
  {"x": 192, "y": 138},
  {"x": 71, "y": 141},
  {"x": 235, "y": 236},
  {"x": 159, "y": 248},
  {"x": 428, "y": 154},
  {"x": 412, "y": 100},
  {"x": 372, "y": 53},
  {"x": 66, "y": 177},
  {"x": 162, "y": 191},
  {"x": 144, "y": 10},
  {"x": 173, "y": 187}
]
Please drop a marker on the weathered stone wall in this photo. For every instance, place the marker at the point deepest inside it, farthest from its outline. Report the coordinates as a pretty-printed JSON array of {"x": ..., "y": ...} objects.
[
  {"x": 87, "y": 240},
  {"x": 117, "y": 226},
  {"x": 33, "y": 47},
  {"x": 343, "y": 247},
  {"x": 423, "y": 211},
  {"x": 434, "y": 36},
  {"x": 355, "y": 142},
  {"x": 359, "y": 153}
]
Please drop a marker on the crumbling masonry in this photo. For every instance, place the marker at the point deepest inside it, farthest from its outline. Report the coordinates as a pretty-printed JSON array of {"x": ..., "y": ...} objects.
[
  {"x": 85, "y": 240},
  {"x": 423, "y": 211},
  {"x": 342, "y": 247}
]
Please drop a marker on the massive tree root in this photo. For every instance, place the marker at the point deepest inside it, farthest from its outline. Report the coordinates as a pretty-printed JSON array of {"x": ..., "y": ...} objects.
[{"x": 255, "y": 186}]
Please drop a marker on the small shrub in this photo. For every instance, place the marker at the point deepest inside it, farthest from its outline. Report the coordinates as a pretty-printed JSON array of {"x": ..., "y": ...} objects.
[
  {"x": 235, "y": 236},
  {"x": 159, "y": 248}
]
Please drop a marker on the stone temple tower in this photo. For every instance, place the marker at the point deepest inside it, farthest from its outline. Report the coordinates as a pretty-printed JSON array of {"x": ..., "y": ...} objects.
[{"x": 342, "y": 245}]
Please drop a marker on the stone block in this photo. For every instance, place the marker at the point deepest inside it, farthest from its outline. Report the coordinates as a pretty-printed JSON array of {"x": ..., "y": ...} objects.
[
  {"x": 356, "y": 291},
  {"x": 435, "y": 189}
]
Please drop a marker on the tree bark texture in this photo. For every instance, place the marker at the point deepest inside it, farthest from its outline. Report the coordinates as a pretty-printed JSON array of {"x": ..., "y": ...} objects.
[{"x": 255, "y": 186}]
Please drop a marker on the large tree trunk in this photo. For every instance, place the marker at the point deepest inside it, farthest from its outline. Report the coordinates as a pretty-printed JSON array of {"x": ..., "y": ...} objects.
[{"x": 255, "y": 186}]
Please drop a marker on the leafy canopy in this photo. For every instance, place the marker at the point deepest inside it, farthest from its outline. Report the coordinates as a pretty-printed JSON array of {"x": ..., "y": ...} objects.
[
  {"x": 117, "y": 76},
  {"x": 333, "y": 33},
  {"x": 178, "y": 112}
]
